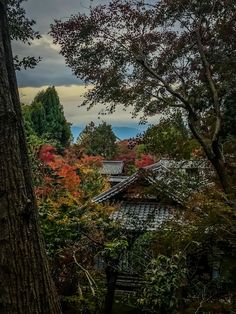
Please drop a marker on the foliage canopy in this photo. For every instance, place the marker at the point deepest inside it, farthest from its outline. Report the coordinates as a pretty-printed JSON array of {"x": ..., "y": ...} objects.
[
  {"x": 45, "y": 118},
  {"x": 157, "y": 55},
  {"x": 98, "y": 140}
]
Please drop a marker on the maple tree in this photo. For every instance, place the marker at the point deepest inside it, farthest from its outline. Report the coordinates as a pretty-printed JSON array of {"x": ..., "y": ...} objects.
[
  {"x": 79, "y": 177},
  {"x": 127, "y": 154},
  {"x": 75, "y": 229},
  {"x": 145, "y": 160},
  {"x": 155, "y": 56}
]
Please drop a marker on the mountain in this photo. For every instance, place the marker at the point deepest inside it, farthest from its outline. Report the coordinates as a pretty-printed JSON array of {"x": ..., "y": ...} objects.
[
  {"x": 125, "y": 132},
  {"x": 76, "y": 130},
  {"x": 122, "y": 132}
]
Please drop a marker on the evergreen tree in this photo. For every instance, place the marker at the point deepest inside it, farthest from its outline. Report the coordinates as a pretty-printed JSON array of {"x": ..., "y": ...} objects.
[
  {"x": 46, "y": 117},
  {"x": 56, "y": 126},
  {"x": 98, "y": 140},
  {"x": 38, "y": 118}
]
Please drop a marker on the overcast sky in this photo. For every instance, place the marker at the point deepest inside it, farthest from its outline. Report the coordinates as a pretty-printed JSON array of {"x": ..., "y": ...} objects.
[{"x": 52, "y": 70}]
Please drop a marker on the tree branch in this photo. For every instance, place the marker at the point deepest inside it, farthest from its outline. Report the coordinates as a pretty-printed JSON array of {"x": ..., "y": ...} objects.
[
  {"x": 200, "y": 139},
  {"x": 186, "y": 105},
  {"x": 212, "y": 86},
  {"x": 90, "y": 279}
]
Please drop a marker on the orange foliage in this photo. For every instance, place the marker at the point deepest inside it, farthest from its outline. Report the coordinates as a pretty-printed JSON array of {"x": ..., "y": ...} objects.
[
  {"x": 146, "y": 160},
  {"x": 91, "y": 161},
  {"x": 64, "y": 175}
]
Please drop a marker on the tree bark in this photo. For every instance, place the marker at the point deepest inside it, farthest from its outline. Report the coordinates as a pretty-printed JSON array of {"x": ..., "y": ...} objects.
[
  {"x": 214, "y": 155},
  {"x": 26, "y": 286},
  {"x": 111, "y": 276}
]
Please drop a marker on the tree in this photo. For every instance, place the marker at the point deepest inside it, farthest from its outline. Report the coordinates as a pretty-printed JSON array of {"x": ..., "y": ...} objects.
[
  {"x": 230, "y": 113},
  {"x": 144, "y": 161},
  {"x": 21, "y": 28},
  {"x": 155, "y": 56},
  {"x": 170, "y": 139},
  {"x": 46, "y": 118},
  {"x": 25, "y": 283},
  {"x": 98, "y": 140},
  {"x": 77, "y": 229}
]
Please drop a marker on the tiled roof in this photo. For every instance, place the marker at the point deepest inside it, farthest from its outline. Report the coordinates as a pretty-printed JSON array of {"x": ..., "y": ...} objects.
[
  {"x": 181, "y": 164},
  {"x": 112, "y": 167},
  {"x": 160, "y": 171},
  {"x": 141, "y": 216},
  {"x": 117, "y": 179},
  {"x": 116, "y": 189}
]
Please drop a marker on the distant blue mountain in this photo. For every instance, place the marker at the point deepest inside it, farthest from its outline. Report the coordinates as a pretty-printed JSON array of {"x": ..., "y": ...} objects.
[
  {"x": 76, "y": 130},
  {"x": 122, "y": 132},
  {"x": 125, "y": 132}
]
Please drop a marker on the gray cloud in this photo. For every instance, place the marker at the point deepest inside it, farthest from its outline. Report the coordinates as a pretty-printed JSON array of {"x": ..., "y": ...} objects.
[
  {"x": 51, "y": 70},
  {"x": 45, "y": 11}
]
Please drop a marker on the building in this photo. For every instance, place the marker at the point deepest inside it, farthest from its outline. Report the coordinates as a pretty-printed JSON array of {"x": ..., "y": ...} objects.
[
  {"x": 147, "y": 198},
  {"x": 114, "y": 169}
]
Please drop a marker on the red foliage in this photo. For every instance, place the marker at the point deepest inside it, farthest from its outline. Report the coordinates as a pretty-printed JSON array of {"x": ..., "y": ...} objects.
[
  {"x": 146, "y": 160},
  {"x": 62, "y": 176},
  {"x": 91, "y": 161},
  {"x": 72, "y": 154},
  {"x": 67, "y": 174},
  {"x": 47, "y": 153}
]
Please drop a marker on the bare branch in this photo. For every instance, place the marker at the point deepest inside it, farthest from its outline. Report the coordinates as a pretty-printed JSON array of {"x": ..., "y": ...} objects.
[{"x": 90, "y": 279}]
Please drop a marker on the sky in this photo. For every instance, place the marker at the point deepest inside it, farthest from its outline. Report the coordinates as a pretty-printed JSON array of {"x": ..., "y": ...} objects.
[{"x": 52, "y": 69}]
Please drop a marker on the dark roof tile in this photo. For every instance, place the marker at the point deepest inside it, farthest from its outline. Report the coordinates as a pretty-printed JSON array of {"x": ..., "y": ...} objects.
[{"x": 142, "y": 216}]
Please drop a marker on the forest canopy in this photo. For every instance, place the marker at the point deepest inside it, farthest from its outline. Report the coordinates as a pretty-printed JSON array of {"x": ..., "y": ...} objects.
[{"x": 155, "y": 56}]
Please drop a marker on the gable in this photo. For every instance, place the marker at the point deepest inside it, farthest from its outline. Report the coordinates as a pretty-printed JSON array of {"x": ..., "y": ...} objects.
[{"x": 163, "y": 175}]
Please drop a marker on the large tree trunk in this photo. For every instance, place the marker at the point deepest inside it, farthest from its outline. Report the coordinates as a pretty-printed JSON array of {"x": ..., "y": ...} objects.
[{"x": 25, "y": 282}]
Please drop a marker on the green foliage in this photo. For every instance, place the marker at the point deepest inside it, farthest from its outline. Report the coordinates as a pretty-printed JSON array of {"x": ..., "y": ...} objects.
[
  {"x": 38, "y": 118},
  {"x": 170, "y": 55},
  {"x": 56, "y": 127},
  {"x": 92, "y": 183},
  {"x": 164, "y": 278},
  {"x": 45, "y": 118},
  {"x": 113, "y": 250},
  {"x": 74, "y": 228},
  {"x": 177, "y": 261},
  {"x": 21, "y": 28},
  {"x": 86, "y": 303},
  {"x": 170, "y": 139},
  {"x": 58, "y": 224},
  {"x": 98, "y": 140}
]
